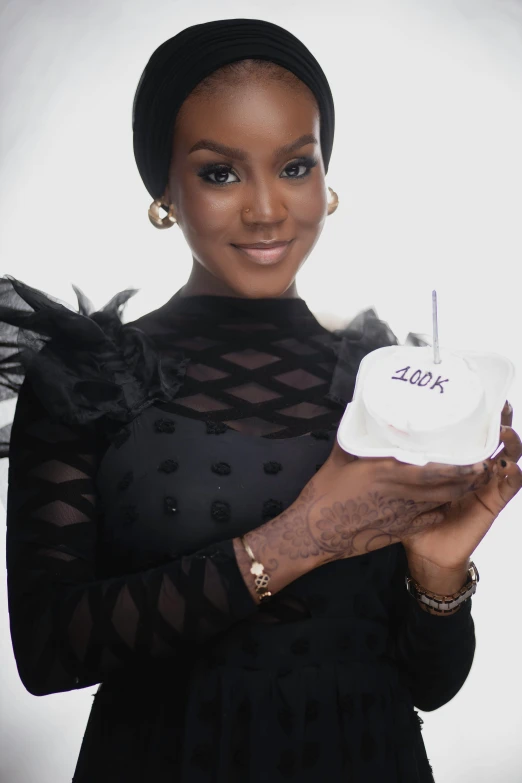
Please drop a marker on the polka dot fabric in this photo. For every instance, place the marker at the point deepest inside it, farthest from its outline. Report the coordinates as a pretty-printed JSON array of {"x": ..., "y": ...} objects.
[{"x": 122, "y": 572}]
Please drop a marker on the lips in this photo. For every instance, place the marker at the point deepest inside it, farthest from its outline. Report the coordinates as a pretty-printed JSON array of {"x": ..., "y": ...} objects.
[
  {"x": 265, "y": 253},
  {"x": 263, "y": 245}
]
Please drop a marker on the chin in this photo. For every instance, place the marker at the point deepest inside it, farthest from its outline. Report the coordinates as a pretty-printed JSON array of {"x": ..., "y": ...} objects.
[{"x": 262, "y": 283}]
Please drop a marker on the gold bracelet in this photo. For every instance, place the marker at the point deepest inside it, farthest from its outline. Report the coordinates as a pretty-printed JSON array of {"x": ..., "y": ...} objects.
[
  {"x": 258, "y": 571},
  {"x": 444, "y": 604}
]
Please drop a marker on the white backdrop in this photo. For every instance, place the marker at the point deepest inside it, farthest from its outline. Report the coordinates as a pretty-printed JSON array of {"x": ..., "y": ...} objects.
[{"x": 427, "y": 163}]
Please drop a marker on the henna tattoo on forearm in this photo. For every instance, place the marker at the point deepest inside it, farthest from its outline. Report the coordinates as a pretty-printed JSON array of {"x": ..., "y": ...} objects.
[
  {"x": 315, "y": 534},
  {"x": 363, "y": 525},
  {"x": 332, "y": 533}
]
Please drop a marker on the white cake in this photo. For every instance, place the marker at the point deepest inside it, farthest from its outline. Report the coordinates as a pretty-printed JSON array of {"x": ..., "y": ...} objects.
[{"x": 414, "y": 404}]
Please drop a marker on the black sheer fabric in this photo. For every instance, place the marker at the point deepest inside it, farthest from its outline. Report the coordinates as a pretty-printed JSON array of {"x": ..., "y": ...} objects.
[{"x": 137, "y": 453}]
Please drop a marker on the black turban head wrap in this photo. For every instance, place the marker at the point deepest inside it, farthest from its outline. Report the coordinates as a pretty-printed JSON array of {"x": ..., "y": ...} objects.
[{"x": 179, "y": 64}]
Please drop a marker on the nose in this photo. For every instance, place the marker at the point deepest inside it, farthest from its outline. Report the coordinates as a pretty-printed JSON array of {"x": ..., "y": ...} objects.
[{"x": 263, "y": 203}]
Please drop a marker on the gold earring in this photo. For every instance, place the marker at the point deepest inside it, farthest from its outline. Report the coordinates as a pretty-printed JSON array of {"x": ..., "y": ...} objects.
[
  {"x": 334, "y": 203},
  {"x": 154, "y": 215}
]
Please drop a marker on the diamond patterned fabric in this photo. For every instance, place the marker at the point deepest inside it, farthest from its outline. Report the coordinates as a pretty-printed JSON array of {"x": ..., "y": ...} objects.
[
  {"x": 136, "y": 455},
  {"x": 248, "y": 369}
]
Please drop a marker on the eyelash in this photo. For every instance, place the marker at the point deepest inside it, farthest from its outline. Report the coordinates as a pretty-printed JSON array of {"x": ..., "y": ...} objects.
[{"x": 215, "y": 168}]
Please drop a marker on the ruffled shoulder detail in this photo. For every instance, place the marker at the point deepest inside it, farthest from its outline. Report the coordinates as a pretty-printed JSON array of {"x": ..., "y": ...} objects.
[
  {"x": 83, "y": 365},
  {"x": 364, "y": 334},
  {"x": 86, "y": 366}
]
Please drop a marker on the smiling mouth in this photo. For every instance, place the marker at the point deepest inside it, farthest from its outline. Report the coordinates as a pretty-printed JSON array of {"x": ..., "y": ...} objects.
[
  {"x": 265, "y": 253},
  {"x": 263, "y": 243}
]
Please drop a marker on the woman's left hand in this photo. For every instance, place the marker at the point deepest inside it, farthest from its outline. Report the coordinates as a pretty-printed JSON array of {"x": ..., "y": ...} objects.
[{"x": 448, "y": 545}]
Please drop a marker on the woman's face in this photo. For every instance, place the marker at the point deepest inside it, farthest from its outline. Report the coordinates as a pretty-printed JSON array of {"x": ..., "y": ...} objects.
[{"x": 283, "y": 190}]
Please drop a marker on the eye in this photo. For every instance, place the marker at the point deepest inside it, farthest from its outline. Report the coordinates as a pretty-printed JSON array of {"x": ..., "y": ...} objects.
[
  {"x": 218, "y": 170},
  {"x": 301, "y": 163},
  {"x": 221, "y": 172}
]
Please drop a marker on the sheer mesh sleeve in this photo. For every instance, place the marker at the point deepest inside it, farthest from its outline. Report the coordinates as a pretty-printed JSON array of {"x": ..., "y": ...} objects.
[
  {"x": 69, "y": 628},
  {"x": 434, "y": 653}
]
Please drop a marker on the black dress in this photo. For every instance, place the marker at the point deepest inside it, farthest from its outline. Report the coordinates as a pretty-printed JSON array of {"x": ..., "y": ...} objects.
[{"x": 137, "y": 453}]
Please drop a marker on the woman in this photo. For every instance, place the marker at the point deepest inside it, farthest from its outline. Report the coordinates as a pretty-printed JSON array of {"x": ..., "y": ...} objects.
[{"x": 182, "y": 526}]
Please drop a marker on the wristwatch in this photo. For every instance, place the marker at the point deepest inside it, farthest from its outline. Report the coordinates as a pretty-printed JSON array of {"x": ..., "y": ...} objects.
[{"x": 444, "y": 603}]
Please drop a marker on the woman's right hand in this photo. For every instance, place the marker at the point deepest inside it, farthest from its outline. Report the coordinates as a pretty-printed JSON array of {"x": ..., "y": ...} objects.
[{"x": 355, "y": 505}]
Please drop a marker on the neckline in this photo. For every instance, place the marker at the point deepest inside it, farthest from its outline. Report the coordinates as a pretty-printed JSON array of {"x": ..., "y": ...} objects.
[{"x": 209, "y": 306}]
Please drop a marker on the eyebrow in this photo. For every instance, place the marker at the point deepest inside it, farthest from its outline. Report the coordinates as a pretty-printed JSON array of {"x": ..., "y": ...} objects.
[{"x": 238, "y": 154}]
